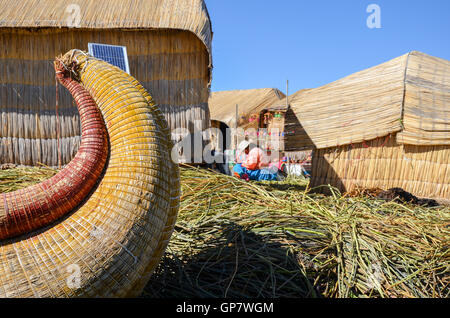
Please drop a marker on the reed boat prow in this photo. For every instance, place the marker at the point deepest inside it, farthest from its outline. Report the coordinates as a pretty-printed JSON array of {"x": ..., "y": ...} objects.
[{"x": 109, "y": 245}]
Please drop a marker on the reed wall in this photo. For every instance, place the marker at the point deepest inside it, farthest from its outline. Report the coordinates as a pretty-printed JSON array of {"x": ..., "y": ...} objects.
[
  {"x": 275, "y": 127},
  {"x": 384, "y": 163},
  {"x": 171, "y": 64},
  {"x": 250, "y": 103}
]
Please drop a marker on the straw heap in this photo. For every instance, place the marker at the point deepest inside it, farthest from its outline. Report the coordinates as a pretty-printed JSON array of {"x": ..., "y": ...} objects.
[
  {"x": 13, "y": 178},
  {"x": 237, "y": 239}
]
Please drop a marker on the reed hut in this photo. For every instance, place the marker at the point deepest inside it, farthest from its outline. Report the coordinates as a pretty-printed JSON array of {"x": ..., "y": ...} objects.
[
  {"x": 169, "y": 50},
  {"x": 241, "y": 109},
  {"x": 273, "y": 118},
  {"x": 387, "y": 126}
]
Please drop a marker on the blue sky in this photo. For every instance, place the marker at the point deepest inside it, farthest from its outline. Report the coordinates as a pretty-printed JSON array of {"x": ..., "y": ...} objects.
[{"x": 261, "y": 43}]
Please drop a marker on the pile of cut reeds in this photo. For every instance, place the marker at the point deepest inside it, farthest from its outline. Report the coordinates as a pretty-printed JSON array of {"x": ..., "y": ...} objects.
[
  {"x": 17, "y": 178},
  {"x": 280, "y": 239}
]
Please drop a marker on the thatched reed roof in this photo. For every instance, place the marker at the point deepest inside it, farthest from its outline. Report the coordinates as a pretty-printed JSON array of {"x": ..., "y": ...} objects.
[
  {"x": 282, "y": 105},
  {"x": 189, "y": 15},
  {"x": 169, "y": 50},
  {"x": 409, "y": 94},
  {"x": 426, "y": 107},
  {"x": 222, "y": 105}
]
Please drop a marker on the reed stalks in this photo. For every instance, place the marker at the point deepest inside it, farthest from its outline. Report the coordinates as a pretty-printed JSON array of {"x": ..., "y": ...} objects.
[{"x": 281, "y": 239}]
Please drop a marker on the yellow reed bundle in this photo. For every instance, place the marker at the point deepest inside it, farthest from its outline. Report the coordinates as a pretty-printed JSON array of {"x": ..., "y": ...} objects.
[{"x": 109, "y": 246}]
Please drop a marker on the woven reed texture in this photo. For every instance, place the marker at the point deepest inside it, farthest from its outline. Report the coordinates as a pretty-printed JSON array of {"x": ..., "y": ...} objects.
[
  {"x": 410, "y": 94},
  {"x": 291, "y": 126},
  {"x": 388, "y": 126},
  {"x": 282, "y": 125},
  {"x": 426, "y": 118},
  {"x": 170, "y": 64},
  {"x": 119, "y": 234},
  {"x": 189, "y": 15},
  {"x": 384, "y": 163},
  {"x": 222, "y": 105},
  {"x": 169, "y": 49},
  {"x": 27, "y": 209},
  {"x": 282, "y": 105},
  {"x": 362, "y": 106},
  {"x": 275, "y": 127}
]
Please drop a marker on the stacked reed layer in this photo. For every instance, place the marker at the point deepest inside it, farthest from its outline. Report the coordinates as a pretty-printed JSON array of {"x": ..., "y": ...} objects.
[{"x": 110, "y": 243}]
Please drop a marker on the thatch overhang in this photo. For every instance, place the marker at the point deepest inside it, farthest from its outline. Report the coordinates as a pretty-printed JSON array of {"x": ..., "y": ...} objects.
[
  {"x": 283, "y": 104},
  {"x": 409, "y": 95},
  {"x": 188, "y": 15},
  {"x": 222, "y": 105}
]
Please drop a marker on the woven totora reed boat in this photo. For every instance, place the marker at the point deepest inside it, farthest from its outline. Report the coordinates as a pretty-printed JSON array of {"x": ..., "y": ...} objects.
[{"x": 99, "y": 227}]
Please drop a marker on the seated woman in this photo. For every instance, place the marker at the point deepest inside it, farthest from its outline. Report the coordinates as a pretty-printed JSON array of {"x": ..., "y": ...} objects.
[
  {"x": 241, "y": 155},
  {"x": 255, "y": 166},
  {"x": 281, "y": 167}
]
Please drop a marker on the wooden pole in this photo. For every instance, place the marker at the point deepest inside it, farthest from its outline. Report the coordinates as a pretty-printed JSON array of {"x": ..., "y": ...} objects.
[
  {"x": 287, "y": 94},
  {"x": 236, "y": 126},
  {"x": 287, "y": 106},
  {"x": 58, "y": 127}
]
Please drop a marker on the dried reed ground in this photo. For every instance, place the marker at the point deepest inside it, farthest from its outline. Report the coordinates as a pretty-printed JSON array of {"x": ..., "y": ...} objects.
[{"x": 279, "y": 239}]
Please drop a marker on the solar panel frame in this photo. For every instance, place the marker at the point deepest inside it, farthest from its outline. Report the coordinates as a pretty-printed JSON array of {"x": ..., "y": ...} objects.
[{"x": 109, "y": 53}]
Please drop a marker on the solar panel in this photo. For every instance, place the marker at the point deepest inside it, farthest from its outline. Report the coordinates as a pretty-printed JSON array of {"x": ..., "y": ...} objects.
[{"x": 113, "y": 54}]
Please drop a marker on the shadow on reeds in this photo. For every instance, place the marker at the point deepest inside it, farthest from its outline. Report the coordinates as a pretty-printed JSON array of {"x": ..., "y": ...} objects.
[
  {"x": 284, "y": 186},
  {"x": 238, "y": 264}
]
